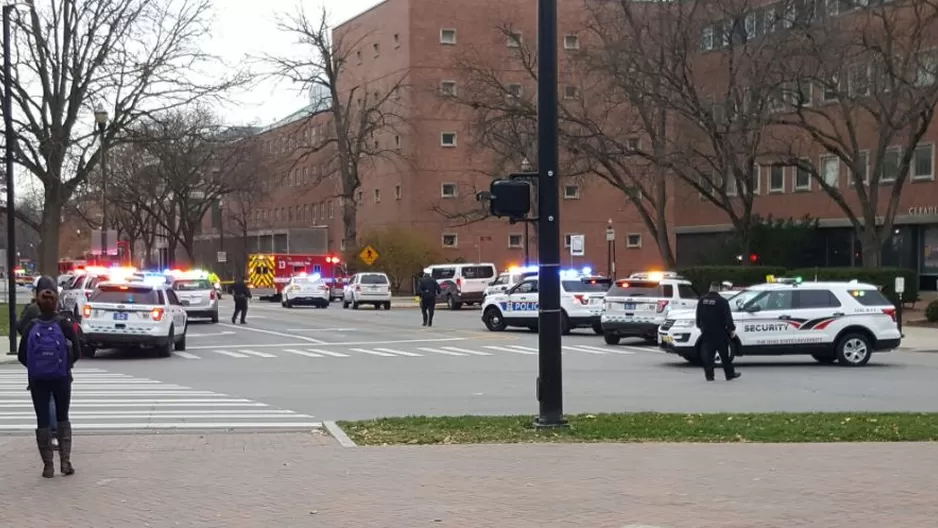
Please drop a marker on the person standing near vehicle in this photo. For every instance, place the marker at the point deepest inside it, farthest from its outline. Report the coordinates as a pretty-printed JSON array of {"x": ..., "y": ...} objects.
[
  {"x": 30, "y": 312},
  {"x": 428, "y": 289},
  {"x": 715, "y": 320},
  {"x": 49, "y": 350},
  {"x": 241, "y": 294}
]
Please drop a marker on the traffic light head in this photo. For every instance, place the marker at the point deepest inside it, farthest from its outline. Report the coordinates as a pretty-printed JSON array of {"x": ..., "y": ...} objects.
[{"x": 510, "y": 198}]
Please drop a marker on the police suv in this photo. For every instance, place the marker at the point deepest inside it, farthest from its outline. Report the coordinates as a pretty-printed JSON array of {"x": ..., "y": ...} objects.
[
  {"x": 506, "y": 280},
  {"x": 581, "y": 301},
  {"x": 842, "y": 322},
  {"x": 134, "y": 314},
  {"x": 636, "y": 306}
]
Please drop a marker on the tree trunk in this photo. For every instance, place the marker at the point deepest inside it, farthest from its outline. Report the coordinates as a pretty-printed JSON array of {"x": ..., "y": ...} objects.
[
  {"x": 49, "y": 233},
  {"x": 662, "y": 236},
  {"x": 871, "y": 247},
  {"x": 350, "y": 223}
]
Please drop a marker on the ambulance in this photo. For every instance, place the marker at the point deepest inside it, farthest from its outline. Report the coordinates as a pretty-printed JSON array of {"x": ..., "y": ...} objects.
[{"x": 268, "y": 273}]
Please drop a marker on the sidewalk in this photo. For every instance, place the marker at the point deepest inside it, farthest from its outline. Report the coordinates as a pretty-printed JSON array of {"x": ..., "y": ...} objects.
[
  {"x": 302, "y": 480},
  {"x": 919, "y": 338}
]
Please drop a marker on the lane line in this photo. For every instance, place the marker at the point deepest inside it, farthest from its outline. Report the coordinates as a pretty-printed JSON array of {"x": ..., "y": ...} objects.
[
  {"x": 328, "y": 353},
  {"x": 582, "y": 349},
  {"x": 372, "y": 352},
  {"x": 258, "y": 354},
  {"x": 345, "y": 343},
  {"x": 302, "y": 353},
  {"x": 177, "y": 425},
  {"x": 211, "y": 335},
  {"x": 186, "y": 355},
  {"x": 504, "y": 349},
  {"x": 229, "y": 353},
  {"x": 321, "y": 329},
  {"x": 398, "y": 352},
  {"x": 175, "y": 416},
  {"x": 467, "y": 351},
  {"x": 275, "y": 333},
  {"x": 441, "y": 351}
]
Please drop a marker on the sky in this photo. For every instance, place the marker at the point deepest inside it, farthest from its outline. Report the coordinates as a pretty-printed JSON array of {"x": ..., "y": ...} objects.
[{"x": 246, "y": 28}]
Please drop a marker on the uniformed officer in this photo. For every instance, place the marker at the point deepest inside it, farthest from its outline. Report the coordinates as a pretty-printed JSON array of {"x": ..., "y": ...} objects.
[
  {"x": 715, "y": 320},
  {"x": 428, "y": 289}
]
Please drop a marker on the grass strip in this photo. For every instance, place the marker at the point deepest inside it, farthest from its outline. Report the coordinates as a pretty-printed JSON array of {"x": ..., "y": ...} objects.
[
  {"x": 4, "y": 320},
  {"x": 650, "y": 427}
]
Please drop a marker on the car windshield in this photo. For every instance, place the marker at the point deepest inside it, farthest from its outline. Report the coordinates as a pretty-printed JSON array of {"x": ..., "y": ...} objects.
[
  {"x": 374, "y": 278},
  {"x": 124, "y": 294},
  {"x": 192, "y": 285},
  {"x": 591, "y": 285},
  {"x": 739, "y": 301},
  {"x": 305, "y": 281}
]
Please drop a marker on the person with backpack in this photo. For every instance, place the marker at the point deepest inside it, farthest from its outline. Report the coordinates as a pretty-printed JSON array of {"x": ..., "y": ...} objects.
[
  {"x": 30, "y": 312},
  {"x": 49, "y": 350}
]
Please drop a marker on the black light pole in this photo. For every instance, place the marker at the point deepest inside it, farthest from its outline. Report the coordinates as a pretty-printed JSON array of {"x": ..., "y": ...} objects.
[
  {"x": 100, "y": 118},
  {"x": 526, "y": 167},
  {"x": 10, "y": 138},
  {"x": 550, "y": 367}
]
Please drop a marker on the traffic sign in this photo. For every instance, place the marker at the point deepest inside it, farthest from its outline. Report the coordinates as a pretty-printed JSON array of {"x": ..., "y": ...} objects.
[
  {"x": 577, "y": 245},
  {"x": 369, "y": 255},
  {"x": 222, "y": 256}
]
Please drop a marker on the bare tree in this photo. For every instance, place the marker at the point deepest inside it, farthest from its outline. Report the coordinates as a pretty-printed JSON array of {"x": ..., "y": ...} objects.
[
  {"x": 134, "y": 57},
  {"x": 242, "y": 202},
  {"x": 361, "y": 116},
  {"x": 863, "y": 87}
]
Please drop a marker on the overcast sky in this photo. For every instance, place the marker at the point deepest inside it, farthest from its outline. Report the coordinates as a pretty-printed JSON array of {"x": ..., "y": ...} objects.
[{"x": 248, "y": 28}]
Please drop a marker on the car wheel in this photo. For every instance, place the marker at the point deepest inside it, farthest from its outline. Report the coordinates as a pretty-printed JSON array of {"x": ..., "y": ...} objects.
[
  {"x": 452, "y": 304},
  {"x": 89, "y": 352},
  {"x": 493, "y": 320},
  {"x": 565, "y": 324},
  {"x": 288, "y": 304},
  {"x": 215, "y": 317},
  {"x": 693, "y": 360},
  {"x": 597, "y": 329},
  {"x": 612, "y": 339},
  {"x": 180, "y": 344},
  {"x": 825, "y": 359},
  {"x": 854, "y": 350},
  {"x": 166, "y": 349},
  {"x": 387, "y": 305}
]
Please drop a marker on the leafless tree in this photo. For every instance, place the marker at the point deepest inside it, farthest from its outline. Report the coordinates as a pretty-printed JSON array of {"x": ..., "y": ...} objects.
[
  {"x": 862, "y": 90},
  {"x": 242, "y": 202},
  {"x": 134, "y": 57},
  {"x": 361, "y": 118}
]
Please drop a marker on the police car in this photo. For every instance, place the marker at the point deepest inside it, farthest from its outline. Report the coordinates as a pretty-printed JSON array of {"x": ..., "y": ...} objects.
[
  {"x": 581, "y": 301},
  {"x": 506, "y": 280},
  {"x": 134, "y": 314},
  {"x": 636, "y": 306},
  {"x": 842, "y": 322}
]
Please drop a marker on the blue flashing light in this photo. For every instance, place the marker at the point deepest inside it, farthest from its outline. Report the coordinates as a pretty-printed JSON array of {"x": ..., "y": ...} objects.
[
  {"x": 587, "y": 270},
  {"x": 315, "y": 276}
]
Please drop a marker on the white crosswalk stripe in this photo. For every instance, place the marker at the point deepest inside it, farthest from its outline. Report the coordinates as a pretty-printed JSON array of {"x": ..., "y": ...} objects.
[
  {"x": 323, "y": 353},
  {"x": 105, "y": 401},
  {"x": 440, "y": 351},
  {"x": 398, "y": 352}
]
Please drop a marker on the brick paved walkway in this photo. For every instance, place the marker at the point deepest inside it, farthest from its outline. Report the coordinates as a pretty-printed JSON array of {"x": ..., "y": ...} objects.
[{"x": 297, "y": 480}]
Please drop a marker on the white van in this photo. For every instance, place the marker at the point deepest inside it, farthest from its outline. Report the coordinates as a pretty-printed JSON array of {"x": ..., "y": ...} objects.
[{"x": 462, "y": 283}]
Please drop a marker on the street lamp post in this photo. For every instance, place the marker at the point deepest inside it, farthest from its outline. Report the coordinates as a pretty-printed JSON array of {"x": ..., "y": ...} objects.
[
  {"x": 100, "y": 118},
  {"x": 611, "y": 250},
  {"x": 526, "y": 167}
]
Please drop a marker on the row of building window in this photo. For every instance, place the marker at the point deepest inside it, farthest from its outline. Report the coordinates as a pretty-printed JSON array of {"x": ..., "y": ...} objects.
[
  {"x": 922, "y": 168},
  {"x": 448, "y": 88},
  {"x": 516, "y": 240},
  {"x": 296, "y": 213},
  {"x": 451, "y": 190}
]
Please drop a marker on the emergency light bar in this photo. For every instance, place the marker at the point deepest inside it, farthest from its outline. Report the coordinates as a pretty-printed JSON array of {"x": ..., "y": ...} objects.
[
  {"x": 655, "y": 275},
  {"x": 772, "y": 279}
]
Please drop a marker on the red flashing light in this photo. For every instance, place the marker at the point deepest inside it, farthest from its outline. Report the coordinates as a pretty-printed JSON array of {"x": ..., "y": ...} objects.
[{"x": 753, "y": 258}]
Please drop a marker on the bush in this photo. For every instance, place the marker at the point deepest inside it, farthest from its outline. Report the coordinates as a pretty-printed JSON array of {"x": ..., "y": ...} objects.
[
  {"x": 931, "y": 311},
  {"x": 702, "y": 276},
  {"x": 883, "y": 277}
]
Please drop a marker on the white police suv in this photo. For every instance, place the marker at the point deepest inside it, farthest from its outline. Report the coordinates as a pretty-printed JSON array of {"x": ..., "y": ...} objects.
[
  {"x": 636, "y": 306},
  {"x": 581, "y": 301},
  {"x": 842, "y": 322},
  {"x": 134, "y": 314}
]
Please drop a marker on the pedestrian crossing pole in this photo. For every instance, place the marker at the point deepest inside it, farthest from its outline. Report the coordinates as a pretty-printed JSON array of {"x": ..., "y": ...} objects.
[{"x": 550, "y": 368}]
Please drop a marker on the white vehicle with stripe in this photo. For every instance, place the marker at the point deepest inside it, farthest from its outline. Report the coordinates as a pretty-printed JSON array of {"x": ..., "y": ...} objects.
[
  {"x": 636, "y": 306},
  {"x": 581, "y": 301}
]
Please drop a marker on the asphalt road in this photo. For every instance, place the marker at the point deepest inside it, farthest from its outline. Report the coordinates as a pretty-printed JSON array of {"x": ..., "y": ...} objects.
[{"x": 331, "y": 364}]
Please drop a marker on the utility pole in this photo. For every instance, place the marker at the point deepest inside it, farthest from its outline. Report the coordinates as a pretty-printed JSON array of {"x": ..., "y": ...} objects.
[
  {"x": 550, "y": 366},
  {"x": 10, "y": 138}
]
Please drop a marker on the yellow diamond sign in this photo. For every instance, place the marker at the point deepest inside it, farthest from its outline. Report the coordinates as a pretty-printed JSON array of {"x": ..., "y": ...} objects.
[{"x": 369, "y": 255}]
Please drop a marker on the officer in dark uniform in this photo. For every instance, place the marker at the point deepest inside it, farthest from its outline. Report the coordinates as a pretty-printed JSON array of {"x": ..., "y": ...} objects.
[
  {"x": 241, "y": 294},
  {"x": 428, "y": 289},
  {"x": 715, "y": 321}
]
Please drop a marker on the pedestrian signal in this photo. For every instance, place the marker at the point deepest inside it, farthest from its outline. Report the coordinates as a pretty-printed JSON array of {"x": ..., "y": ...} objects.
[{"x": 510, "y": 198}]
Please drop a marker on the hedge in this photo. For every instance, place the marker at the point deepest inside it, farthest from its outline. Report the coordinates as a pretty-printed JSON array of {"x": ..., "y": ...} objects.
[{"x": 702, "y": 276}]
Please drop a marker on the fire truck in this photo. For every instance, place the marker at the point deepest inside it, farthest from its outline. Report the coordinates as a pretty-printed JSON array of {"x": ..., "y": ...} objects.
[{"x": 268, "y": 273}]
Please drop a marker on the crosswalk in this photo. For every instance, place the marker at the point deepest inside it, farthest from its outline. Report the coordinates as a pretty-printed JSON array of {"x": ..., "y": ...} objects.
[
  {"x": 323, "y": 352},
  {"x": 106, "y": 401}
]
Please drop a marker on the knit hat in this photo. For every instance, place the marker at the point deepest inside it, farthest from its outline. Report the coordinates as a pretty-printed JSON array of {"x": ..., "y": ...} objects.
[{"x": 46, "y": 283}]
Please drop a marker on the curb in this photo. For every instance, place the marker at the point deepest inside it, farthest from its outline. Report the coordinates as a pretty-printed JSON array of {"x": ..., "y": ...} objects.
[
  {"x": 5, "y": 358},
  {"x": 339, "y": 435}
]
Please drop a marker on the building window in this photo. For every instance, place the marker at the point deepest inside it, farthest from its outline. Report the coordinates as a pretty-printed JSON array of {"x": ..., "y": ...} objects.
[
  {"x": 731, "y": 185},
  {"x": 831, "y": 89},
  {"x": 633, "y": 240},
  {"x": 376, "y": 48},
  {"x": 890, "y": 165},
  {"x": 923, "y": 162},
  {"x": 513, "y": 39},
  {"x": 633, "y": 143},
  {"x": 331, "y": 209},
  {"x": 831, "y": 7},
  {"x": 515, "y": 241},
  {"x": 360, "y": 197},
  {"x": 570, "y": 92},
  {"x": 750, "y": 26},
  {"x": 864, "y": 162},
  {"x": 358, "y": 56},
  {"x": 448, "y": 36},
  {"x": 397, "y": 40},
  {"x": 397, "y": 142},
  {"x": 571, "y": 42},
  {"x": 448, "y": 139},
  {"x": 448, "y": 88},
  {"x": 803, "y": 175},
  {"x": 515, "y": 90},
  {"x": 769, "y": 20},
  {"x": 756, "y": 176},
  {"x": 927, "y": 69},
  {"x": 571, "y": 192},
  {"x": 305, "y": 174},
  {"x": 448, "y": 190},
  {"x": 450, "y": 240},
  {"x": 706, "y": 39},
  {"x": 859, "y": 80},
  {"x": 830, "y": 169},
  {"x": 377, "y": 193},
  {"x": 804, "y": 94},
  {"x": 566, "y": 239},
  {"x": 776, "y": 178},
  {"x": 397, "y": 192}
]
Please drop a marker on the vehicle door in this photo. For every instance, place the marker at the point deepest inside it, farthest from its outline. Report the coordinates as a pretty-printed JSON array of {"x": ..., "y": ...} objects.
[
  {"x": 686, "y": 298},
  {"x": 348, "y": 293},
  {"x": 816, "y": 310},
  {"x": 174, "y": 306},
  {"x": 499, "y": 284},
  {"x": 767, "y": 319},
  {"x": 522, "y": 300}
]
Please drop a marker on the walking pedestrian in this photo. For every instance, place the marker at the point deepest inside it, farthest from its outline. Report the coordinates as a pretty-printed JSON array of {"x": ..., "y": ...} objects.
[
  {"x": 241, "y": 294},
  {"x": 30, "y": 312},
  {"x": 428, "y": 289},
  {"x": 48, "y": 351},
  {"x": 715, "y": 320}
]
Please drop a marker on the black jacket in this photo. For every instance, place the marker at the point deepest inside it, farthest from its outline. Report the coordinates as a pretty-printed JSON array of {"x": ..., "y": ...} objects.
[
  {"x": 67, "y": 330},
  {"x": 240, "y": 289},
  {"x": 428, "y": 287},
  {"x": 714, "y": 316},
  {"x": 30, "y": 312}
]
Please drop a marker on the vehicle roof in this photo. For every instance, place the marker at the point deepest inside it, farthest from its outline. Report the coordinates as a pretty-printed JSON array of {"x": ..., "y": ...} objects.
[
  {"x": 134, "y": 284},
  {"x": 826, "y": 284},
  {"x": 460, "y": 264}
]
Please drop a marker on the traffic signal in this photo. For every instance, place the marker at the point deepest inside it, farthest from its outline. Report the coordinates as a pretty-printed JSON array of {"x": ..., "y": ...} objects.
[{"x": 510, "y": 198}]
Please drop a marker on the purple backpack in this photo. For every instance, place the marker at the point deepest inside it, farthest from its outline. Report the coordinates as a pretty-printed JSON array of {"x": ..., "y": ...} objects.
[{"x": 46, "y": 351}]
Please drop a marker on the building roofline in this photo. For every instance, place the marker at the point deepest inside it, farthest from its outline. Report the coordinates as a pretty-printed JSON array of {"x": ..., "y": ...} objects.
[
  {"x": 359, "y": 15},
  {"x": 304, "y": 113}
]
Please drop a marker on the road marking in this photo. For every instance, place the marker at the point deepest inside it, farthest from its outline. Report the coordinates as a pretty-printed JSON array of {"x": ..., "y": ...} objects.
[
  {"x": 179, "y": 415},
  {"x": 583, "y": 349},
  {"x": 345, "y": 343},
  {"x": 210, "y": 335},
  {"x": 252, "y": 345},
  {"x": 194, "y": 412},
  {"x": 275, "y": 333},
  {"x": 642, "y": 350},
  {"x": 465, "y": 351},
  {"x": 321, "y": 329},
  {"x": 83, "y": 381},
  {"x": 505, "y": 349},
  {"x": 258, "y": 354},
  {"x": 398, "y": 352},
  {"x": 179, "y": 425},
  {"x": 302, "y": 353},
  {"x": 144, "y": 402},
  {"x": 328, "y": 353},
  {"x": 372, "y": 352},
  {"x": 228, "y": 353},
  {"x": 440, "y": 351},
  {"x": 186, "y": 355}
]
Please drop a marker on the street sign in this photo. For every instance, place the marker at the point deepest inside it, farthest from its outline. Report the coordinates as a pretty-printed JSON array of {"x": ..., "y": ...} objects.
[
  {"x": 222, "y": 256},
  {"x": 369, "y": 255},
  {"x": 577, "y": 245},
  {"x": 900, "y": 284},
  {"x": 610, "y": 234}
]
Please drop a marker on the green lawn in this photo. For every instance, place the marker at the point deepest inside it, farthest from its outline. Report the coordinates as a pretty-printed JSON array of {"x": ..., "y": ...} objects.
[
  {"x": 651, "y": 427},
  {"x": 4, "y": 319}
]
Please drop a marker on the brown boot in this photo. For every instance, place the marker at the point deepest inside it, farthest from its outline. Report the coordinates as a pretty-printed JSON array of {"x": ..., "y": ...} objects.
[
  {"x": 44, "y": 443},
  {"x": 65, "y": 448}
]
